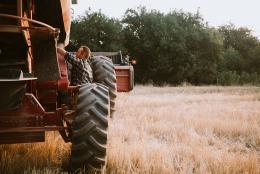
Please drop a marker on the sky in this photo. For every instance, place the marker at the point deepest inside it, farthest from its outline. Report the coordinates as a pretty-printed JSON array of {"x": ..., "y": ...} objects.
[{"x": 242, "y": 13}]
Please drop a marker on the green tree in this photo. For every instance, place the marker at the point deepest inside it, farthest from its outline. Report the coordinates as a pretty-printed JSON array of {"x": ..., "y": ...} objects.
[
  {"x": 231, "y": 60},
  {"x": 244, "y": 43},
  {"x": 97, "y": 31},
  {"x": 172, "y": 47}
]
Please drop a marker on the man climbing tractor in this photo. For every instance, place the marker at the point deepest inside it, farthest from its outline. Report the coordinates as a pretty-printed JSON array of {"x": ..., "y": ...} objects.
[
  {"x": 33, "y": 78},
  {"x": 81, "y": 72}
]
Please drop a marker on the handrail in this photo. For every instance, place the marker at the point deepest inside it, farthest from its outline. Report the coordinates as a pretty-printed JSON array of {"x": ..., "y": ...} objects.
[{"x": 30, "y": 20}]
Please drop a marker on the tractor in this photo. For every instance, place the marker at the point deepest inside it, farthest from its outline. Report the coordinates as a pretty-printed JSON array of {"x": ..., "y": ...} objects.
[
  {"x": 34, "y": 83},
  {"x": 123, "y": 67}
]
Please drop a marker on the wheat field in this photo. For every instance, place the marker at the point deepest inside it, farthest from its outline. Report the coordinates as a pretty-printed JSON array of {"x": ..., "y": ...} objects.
[{"x": 163, "y": 131}]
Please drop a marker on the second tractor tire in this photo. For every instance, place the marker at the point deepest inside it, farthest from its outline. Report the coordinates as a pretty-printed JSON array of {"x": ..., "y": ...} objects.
[{"x": 104, "y": 73}]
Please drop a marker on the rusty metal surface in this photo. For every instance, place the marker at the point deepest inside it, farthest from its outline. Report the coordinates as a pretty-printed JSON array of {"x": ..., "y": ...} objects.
[
  {"x": 11, "y": 94},
  {"x": 32, "y": 121},
  {"x": 63, "y": 83},
  {"x": 57, "y": 15},
  {"x": 62, "y": 120},
  {"x": 45, "y": 56},
  {"x": 46, "y": 93},
  {"x": 66, "y": 15},
  {"x": 53, "y": 118},
  {"x": 59, "y": 85},
  {"x": 21, "y": 137},
  {"x": 125, "y": 78},
  {"x": 19, "y": 29},
  {"x": 13, "y": 51},
  {"x": 29, "y": 121},
  {"x": 33, "y": 129},
  {"x": 8, "y": 7},
  {"x": 30, "y": 114},
  {"x": 19, "y": 18}
]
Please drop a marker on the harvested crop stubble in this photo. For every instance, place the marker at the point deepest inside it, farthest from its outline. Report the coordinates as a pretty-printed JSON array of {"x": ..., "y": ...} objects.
[{"x": 164, "y": 130}]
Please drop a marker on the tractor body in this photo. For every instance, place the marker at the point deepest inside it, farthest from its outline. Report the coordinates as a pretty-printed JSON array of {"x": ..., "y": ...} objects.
[
  {"x": 35, "y": 95},
  {"x": 32, "y": 75}
]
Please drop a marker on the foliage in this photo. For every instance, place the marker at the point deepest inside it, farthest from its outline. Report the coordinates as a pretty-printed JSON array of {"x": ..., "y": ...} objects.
[
  {"x": 245, "y": 47},
  {"x": 233, "y": 78},
  {"x": 97, "y": 31},
  {"x": 228, "y": 78},
  {"x": 173, "y": 48}
]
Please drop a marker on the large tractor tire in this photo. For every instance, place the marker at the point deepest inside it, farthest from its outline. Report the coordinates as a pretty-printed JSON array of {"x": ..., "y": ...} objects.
[
  {"x": 89, "y": 129},
  {"x": 104, "y": 73}
]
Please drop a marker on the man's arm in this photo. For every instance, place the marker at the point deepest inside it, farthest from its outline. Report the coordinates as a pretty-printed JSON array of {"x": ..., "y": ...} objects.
[
  {"x": 61, "y": 51},
  {"x": 69, "y": 57}
]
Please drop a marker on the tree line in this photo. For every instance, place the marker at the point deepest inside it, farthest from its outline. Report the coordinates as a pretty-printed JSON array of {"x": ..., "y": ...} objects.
[{"x": 173, "y": 48}]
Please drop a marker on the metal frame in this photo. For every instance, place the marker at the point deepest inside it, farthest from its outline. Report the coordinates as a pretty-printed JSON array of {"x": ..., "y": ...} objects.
[{"x": 29, "y": 122}]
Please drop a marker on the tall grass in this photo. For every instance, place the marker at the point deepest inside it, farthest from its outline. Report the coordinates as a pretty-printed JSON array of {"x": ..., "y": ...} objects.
[
  {"x": 48, "y": 157},
  {"x": 164, "y": 130},
  {"x": 186, "y": 130}
]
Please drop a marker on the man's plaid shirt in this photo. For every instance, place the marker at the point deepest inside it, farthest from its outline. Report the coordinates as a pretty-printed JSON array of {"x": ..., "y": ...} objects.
[{"x": 81, "y": 72}]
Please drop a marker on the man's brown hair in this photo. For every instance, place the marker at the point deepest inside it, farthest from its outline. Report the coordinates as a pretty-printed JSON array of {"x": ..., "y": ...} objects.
[{"x": 86, "y": 51}]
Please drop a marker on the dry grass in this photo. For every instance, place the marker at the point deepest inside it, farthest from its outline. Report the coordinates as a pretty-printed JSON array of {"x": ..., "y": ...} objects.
[
  {"x": 48, "y": 157},
  {"x": 164, "y": 130}
]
